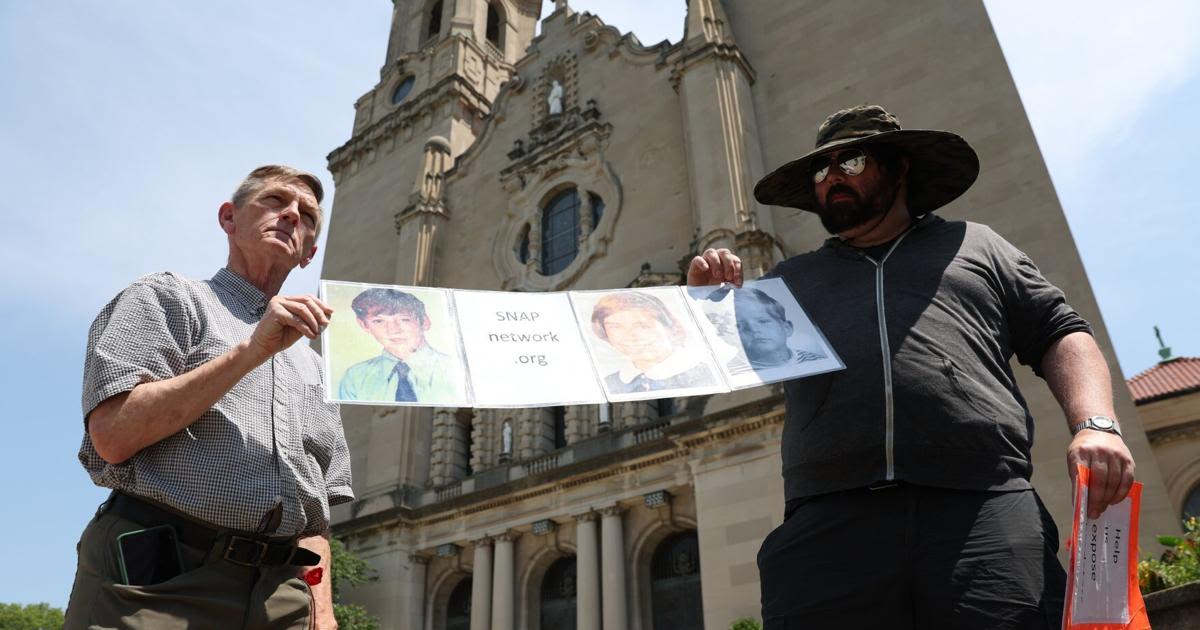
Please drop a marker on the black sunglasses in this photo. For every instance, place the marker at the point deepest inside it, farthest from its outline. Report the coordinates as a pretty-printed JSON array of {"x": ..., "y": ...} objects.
[{"x": 851, "y": 161}]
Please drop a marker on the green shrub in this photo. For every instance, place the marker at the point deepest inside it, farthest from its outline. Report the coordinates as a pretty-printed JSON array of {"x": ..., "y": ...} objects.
[
  {"x": 1178, "y": 565},
  {"x": 746, "y": 624},
  {"x": 348, "y": 569}
]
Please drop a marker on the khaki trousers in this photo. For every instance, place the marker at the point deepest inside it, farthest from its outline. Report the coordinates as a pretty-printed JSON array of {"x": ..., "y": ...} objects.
[{"x": 210, "y": 593}]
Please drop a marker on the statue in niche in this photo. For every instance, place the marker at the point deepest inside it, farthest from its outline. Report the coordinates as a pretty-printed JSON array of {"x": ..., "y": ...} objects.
[
  {"x": 556, "y": 98},
  {"x": 506, "y": 438}
]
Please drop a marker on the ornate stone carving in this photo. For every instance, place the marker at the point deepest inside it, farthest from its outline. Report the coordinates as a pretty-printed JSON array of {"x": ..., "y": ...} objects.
[
  {"x": 564, "y": 152},
  {"x": 648, "y": 278},
  {"x": 758, "y": 250},
  {"x": 508, "y": 536},
  {"x": 612, "y": 510},
  {"x": 563, "y": 70}
]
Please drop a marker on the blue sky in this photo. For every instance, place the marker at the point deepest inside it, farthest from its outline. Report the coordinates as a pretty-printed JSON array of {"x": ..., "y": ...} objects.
[{"x": 124, "y": 124}]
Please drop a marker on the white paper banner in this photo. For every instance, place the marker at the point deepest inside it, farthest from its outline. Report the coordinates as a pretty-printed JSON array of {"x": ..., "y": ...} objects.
[
  {"x": 395, "y": 345},
  {"x": 524, "y": 350}
]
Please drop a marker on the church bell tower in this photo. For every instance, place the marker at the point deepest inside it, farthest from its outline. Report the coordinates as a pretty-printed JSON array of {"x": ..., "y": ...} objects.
[{"x": 446, "y": 61}]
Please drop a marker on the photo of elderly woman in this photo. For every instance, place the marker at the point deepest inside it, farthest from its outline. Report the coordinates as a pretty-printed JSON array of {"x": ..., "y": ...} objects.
[{"x": 641, "y": 345}]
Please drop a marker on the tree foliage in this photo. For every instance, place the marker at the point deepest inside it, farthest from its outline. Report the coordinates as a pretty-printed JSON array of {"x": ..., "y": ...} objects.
[
  {"x": 348, "y": 569},
  {"x": 747, "y": 623},
  {"x": 30, "y": 617}
]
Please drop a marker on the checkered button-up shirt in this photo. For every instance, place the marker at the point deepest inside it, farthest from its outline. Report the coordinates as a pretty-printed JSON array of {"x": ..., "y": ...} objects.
[{"x": 221, "y": 469}]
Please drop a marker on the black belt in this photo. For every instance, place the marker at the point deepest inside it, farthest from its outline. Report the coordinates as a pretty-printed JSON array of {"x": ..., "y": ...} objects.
[{"x": 239, "y": 548}]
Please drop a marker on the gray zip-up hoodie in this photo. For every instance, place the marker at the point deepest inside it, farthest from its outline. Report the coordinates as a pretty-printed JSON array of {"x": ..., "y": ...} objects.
[{"x": 926, "y": 332}]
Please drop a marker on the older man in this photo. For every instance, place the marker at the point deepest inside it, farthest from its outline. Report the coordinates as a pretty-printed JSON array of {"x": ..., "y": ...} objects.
[
  {"x": 207, "y": 420},
  {"x": 906, "y": 476}
]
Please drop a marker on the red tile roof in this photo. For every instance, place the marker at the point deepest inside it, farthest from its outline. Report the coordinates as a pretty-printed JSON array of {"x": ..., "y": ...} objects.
[{"x": 1170, "y": 378}]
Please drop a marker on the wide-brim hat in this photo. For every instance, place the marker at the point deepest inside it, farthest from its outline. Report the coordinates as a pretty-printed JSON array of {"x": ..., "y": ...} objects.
[{"x": 942, "y": 166}]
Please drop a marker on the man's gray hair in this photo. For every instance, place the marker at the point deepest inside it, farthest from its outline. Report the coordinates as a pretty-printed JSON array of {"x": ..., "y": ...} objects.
[{"x": 261, "y": 175}]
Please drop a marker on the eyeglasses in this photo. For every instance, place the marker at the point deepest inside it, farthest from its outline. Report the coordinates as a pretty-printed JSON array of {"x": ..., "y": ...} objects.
[{"x": 851, "y": 161}]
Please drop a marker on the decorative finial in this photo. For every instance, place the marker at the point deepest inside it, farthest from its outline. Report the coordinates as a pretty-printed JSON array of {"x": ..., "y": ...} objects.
[{"x": 1163, "y": 350}]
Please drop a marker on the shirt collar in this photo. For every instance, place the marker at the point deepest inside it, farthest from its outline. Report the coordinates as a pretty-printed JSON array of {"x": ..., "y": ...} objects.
[
  {"x": 419, "y": 358},
  {"x": 678, "y": 363},
  {"x": 249, "y": 295}
]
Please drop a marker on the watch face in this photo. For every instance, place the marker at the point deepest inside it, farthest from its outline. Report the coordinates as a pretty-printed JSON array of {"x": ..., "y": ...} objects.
[{"x": 1100, "y": 422}]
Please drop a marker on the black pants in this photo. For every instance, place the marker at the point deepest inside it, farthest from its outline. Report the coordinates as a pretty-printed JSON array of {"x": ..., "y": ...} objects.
[{"x": 913, "y": 557}]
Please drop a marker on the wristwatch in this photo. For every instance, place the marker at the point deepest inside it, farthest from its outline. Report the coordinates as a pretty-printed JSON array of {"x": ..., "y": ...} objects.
[{"x": 1098, "y": 423}]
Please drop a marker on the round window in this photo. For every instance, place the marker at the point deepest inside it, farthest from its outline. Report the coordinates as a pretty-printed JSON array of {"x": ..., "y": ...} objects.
[{"x": 402, "y": 90}]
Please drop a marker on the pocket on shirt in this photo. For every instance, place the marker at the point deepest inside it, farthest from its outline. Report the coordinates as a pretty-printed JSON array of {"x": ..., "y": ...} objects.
[{"x": 318, "y": 435}]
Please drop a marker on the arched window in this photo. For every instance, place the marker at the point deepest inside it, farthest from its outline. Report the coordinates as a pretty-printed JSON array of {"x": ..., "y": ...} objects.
[
  {"x": 1191, "y": 503},
  {"x": 494, "y": 26},
  {"x": 458, "y": 609},
  {"x": 402, "y": 90},
  {"x": 435, "y": 20},
  {"x": 560, "y": 232},
  {"x": 558, "y": 595},
  {"x": 675, "y": 584},
  {"x": 665, "y": 407}
]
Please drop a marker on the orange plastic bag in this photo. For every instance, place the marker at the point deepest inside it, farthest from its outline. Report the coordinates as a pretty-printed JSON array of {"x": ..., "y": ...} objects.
[{"x": 1102, "y": 584}]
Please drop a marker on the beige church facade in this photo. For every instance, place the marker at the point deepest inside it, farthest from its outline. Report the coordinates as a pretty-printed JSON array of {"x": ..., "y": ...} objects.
[{"x": 490, "y": 158}]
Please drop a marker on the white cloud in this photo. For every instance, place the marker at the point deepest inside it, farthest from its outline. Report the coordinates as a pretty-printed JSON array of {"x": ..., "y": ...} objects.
[{"x": 1085, "y": 70}]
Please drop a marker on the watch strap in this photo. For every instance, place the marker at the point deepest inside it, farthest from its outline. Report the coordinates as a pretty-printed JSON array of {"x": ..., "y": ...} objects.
[{"x": 1090, "y": 423}]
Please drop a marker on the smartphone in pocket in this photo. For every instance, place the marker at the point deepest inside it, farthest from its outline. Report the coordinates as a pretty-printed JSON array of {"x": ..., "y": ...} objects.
[{"x": 149, "y": 556}]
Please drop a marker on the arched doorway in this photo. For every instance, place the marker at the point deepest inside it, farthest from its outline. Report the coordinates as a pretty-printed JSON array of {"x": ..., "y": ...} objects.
[
  {"x": 675, "y": 584},
  {"x": 458, "y": 608},
  {"x": 558, "y": 595}
]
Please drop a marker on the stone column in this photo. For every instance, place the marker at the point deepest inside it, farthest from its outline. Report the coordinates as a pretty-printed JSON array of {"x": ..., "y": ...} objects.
[
  {"x": 612, "y": 547},
  {"x": 418, "y": 224},
  {"x": 416, "y": 600},
  {"x": 481, "y": 585},
  {"x": 724, "y": 156},
  {"x": 502, "y": 583},
  {"x": 587, "y": 573}
]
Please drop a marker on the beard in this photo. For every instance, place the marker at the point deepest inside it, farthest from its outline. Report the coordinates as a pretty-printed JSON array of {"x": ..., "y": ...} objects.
[{"x": 853, "y": 210}]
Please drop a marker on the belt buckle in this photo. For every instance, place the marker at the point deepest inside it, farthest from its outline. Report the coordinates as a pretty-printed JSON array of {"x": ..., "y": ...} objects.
[
  {"x": 883, "y": 485},
  {"x": 261, "y": 551}
]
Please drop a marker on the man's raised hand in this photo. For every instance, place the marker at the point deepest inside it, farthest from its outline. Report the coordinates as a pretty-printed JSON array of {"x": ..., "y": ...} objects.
[
  {"x": 287, "y": 318},
  {"x": 715, "y": 266}
]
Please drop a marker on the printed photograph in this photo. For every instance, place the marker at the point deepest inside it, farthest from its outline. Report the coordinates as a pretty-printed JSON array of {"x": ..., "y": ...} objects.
[
  {"x": 645, "y": 344},
  {"x": 390, "y": 345},
  {"x": 760, "y": 333}
]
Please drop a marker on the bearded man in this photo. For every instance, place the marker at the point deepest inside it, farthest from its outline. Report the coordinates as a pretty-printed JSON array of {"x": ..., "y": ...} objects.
[{"x": 906, "y": 476}]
